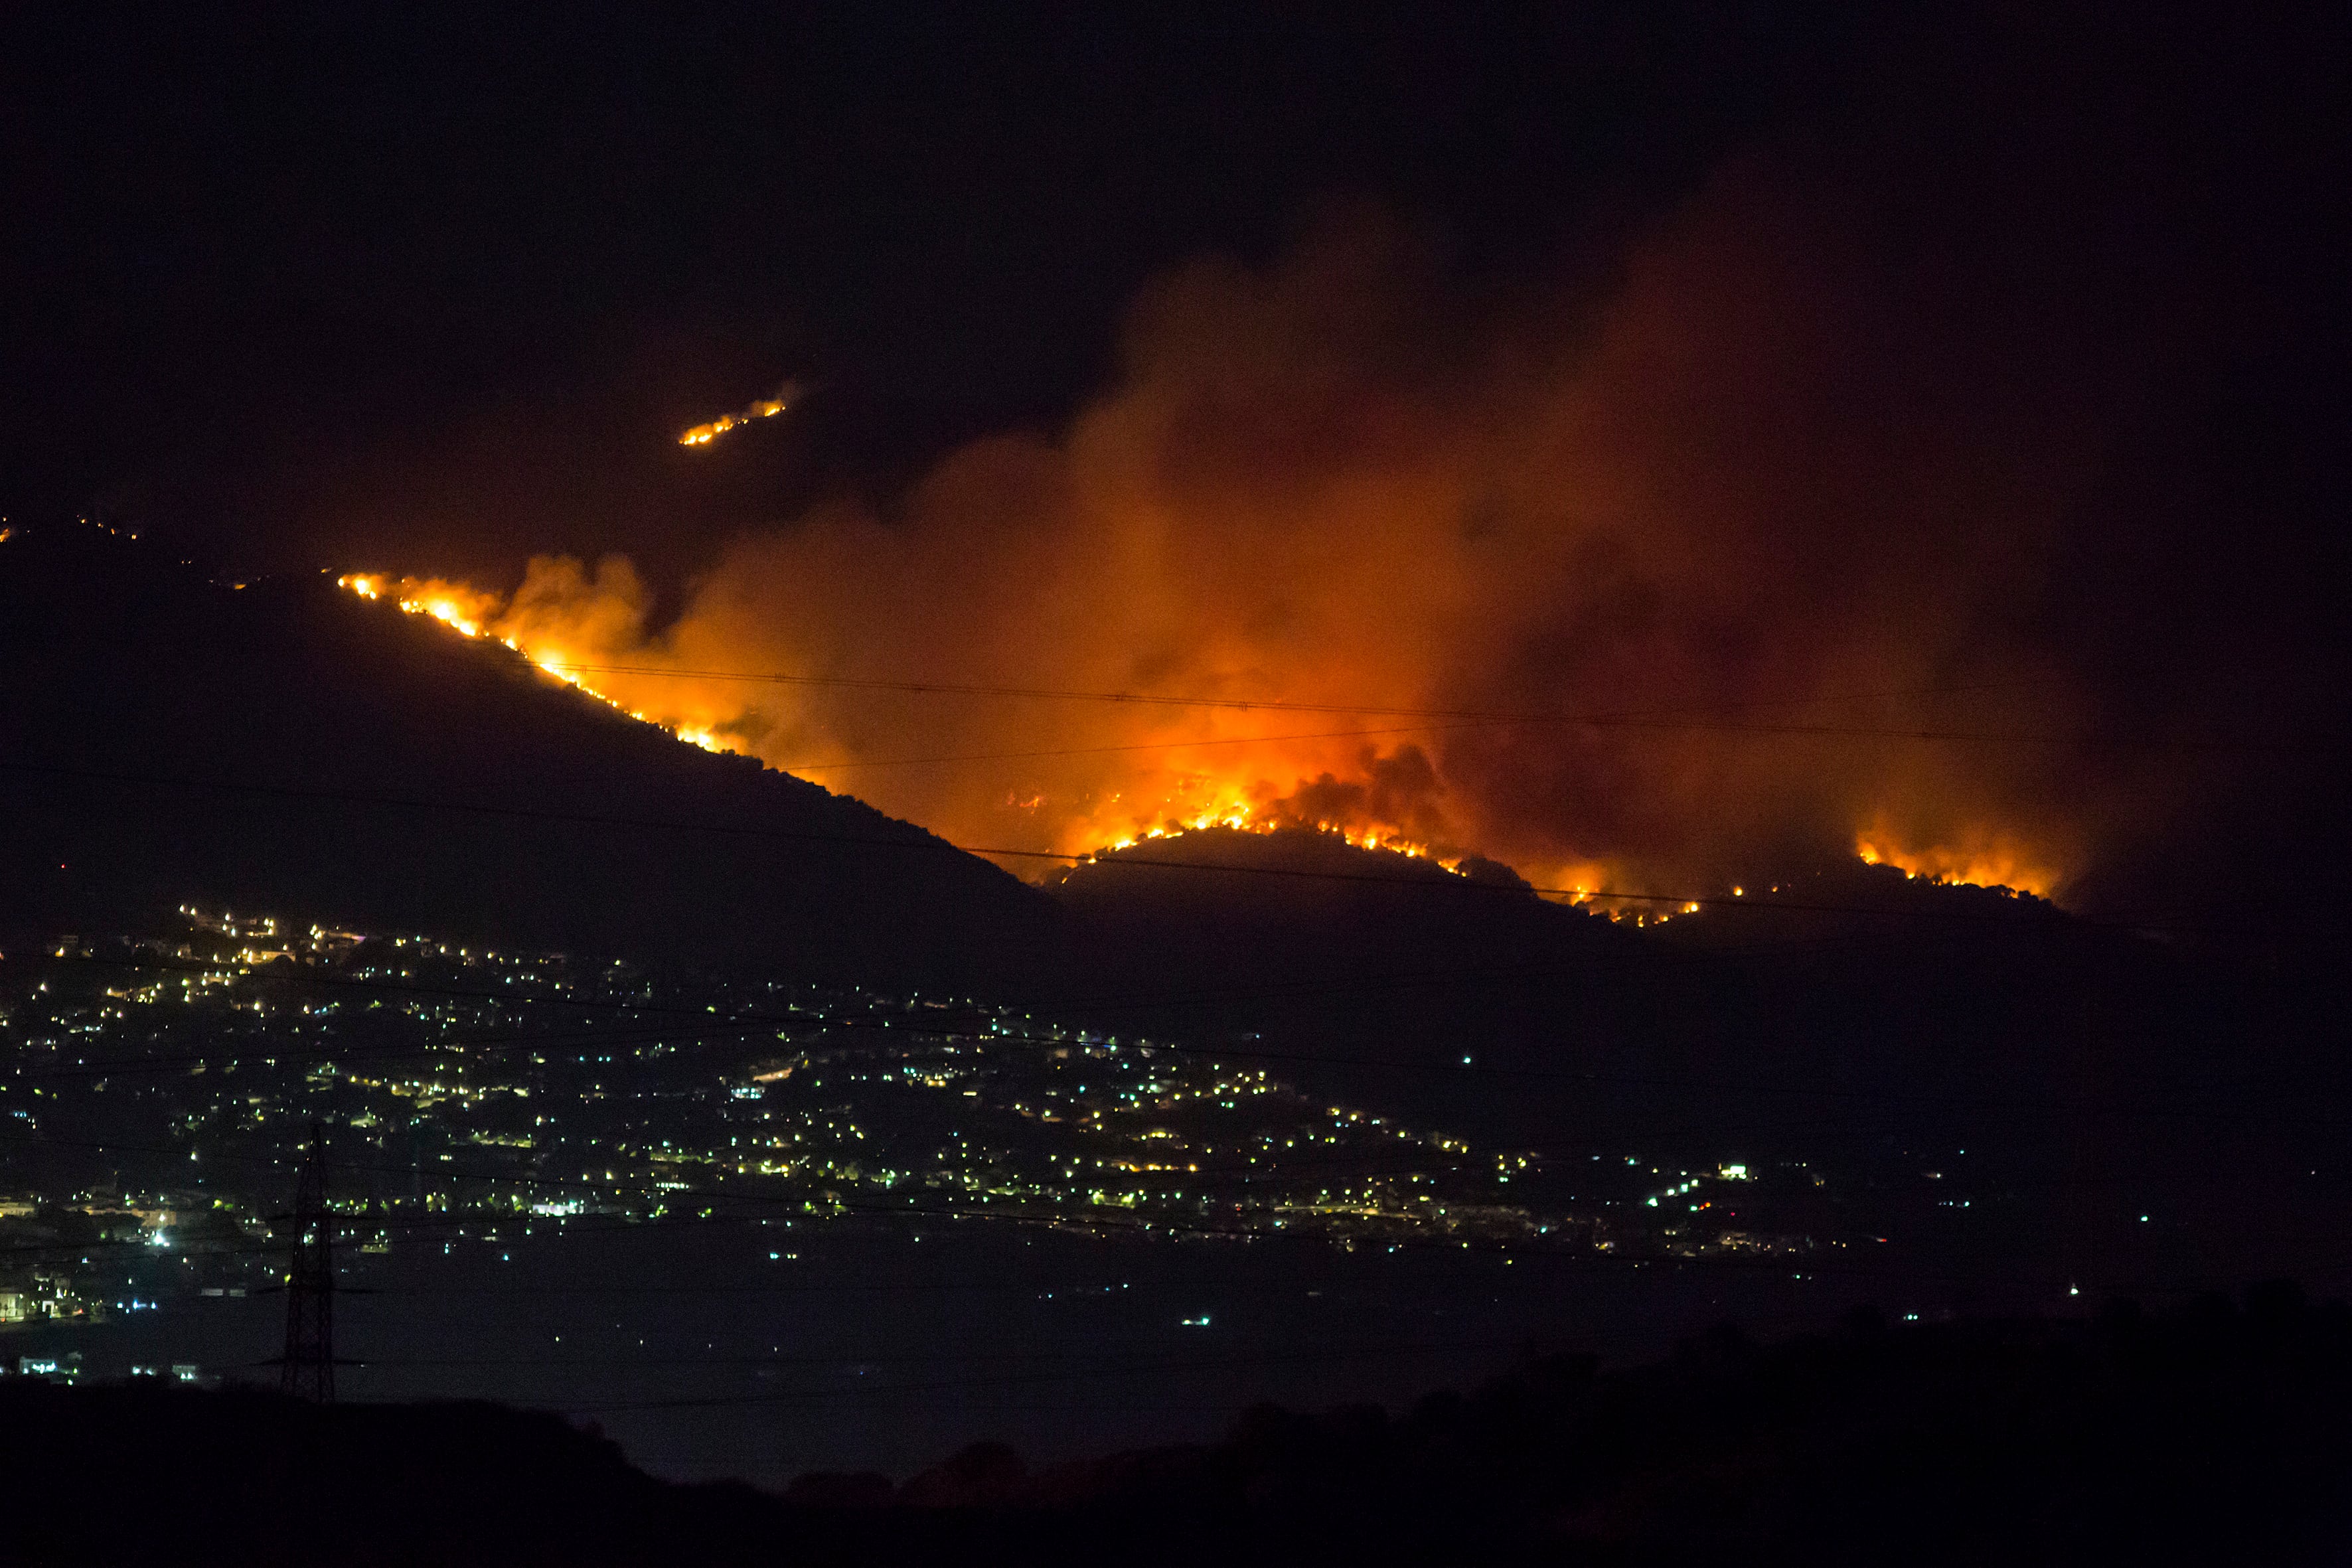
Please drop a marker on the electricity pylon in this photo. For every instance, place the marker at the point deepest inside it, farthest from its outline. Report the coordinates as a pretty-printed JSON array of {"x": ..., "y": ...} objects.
[{"x": 307, "y": 1371}]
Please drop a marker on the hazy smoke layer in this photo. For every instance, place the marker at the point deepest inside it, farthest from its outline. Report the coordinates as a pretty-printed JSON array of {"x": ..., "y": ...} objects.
[{"x": 1774, "y": 487}]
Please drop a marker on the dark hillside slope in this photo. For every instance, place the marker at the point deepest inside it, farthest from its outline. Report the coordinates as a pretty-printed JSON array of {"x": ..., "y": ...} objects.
[
  {"x": 1376, "y": 975},
  {"x": 2005, "y": 1081},
  {"x": 1367, "y": 973},
  {"x": 388, "y": 774}
]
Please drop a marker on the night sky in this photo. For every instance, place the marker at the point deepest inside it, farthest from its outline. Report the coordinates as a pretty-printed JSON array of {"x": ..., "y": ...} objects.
[{"x": 435, "y": 285}]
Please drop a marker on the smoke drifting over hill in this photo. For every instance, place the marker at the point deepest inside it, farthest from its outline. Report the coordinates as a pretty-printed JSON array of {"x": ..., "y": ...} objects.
[{"x": 1823, "y": 491}]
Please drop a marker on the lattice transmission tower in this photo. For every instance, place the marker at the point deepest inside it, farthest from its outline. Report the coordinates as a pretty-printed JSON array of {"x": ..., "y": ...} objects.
[{"x": 307, "y": 1371}]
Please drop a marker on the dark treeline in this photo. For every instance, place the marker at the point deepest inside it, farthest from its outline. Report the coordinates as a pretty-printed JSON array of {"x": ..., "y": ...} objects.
[{"x": 2216, "y": 1431}]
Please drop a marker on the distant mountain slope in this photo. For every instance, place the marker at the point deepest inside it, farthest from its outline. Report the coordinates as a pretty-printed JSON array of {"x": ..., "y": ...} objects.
[{"x": 377, "y": 770}]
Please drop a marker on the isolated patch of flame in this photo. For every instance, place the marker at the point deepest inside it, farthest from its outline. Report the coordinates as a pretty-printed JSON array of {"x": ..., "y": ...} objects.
[{"x": 763, "y": 409}]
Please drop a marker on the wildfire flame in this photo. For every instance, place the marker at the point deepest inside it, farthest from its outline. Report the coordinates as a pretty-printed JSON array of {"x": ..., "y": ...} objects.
[
  {"x": 763, "y": 409},
  {"x": 471, "y": 613},
  {"x": 1982, "y": 860},
  {"x": 1617, "y": 621},
  {"x": 1238, "y": 793},
  {"x": 1243, "y": 819},
  {"x": 464, "y": 610},
  {"x": 1244, "y": 801}
]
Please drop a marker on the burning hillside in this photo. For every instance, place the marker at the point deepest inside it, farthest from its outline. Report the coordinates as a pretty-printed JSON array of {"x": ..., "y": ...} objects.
[
  {"x": 1735, "y": 569},
  {"x": 758, "y": 408},
  {"x": 342, "y": 760}
]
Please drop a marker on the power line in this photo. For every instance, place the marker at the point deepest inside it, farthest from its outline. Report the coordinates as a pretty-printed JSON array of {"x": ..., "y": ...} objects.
[
  {"x": 1651, "y": 719},
  {"x": 1816, "y": 731},
  {"x": 1133, "y": 699},
  {"x": 1140, "y": 1369},
  {"x": 914, "y": 1026},
  {"x": 1065, "y": 1004},
  {"x": 1211, "y": 1054},
  {"x": 1534, "y": 1247},
  {"x": 919, "y": 840},
  {"x": 1098, "y": 1358},
  {"x": 1098, "y": 750}
]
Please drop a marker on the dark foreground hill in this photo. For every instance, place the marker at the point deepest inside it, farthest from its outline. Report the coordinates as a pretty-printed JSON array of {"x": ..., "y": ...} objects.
[
  {"x": 2209, "y": 1434},
  {"x": 1365, "y": 974},
  {"x": 287, "y": 748}
]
